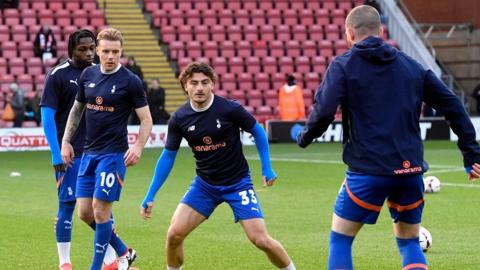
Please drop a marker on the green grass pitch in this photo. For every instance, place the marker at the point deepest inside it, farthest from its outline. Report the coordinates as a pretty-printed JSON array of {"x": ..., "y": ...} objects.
[{"x": 297, "y": 210}]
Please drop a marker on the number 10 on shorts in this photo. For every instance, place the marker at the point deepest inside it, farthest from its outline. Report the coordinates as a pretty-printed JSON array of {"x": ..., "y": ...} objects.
[
  {"x": 246, "y": 199},
  {"x": 107, "y": 179}
]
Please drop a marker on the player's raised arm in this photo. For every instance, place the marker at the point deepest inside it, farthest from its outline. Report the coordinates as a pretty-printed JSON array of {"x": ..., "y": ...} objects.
[
  {"x": 132, "y": 156},
  {"x": 261, "y": 142},
  {"x": 72, "y": 124}
]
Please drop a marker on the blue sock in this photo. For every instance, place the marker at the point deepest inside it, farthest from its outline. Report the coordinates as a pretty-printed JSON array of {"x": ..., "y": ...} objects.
[
  {"x": 115, "y": 241},
  {"x": 63, "y": 229},
  {"x": 340, "y": 253},
  {"x": 103, "y": 232},
  {"x": 412, "y": 253}
]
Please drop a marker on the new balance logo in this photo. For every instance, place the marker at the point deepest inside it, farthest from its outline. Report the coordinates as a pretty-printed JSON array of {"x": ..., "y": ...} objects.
[
  {"x": 106, "y": 191},
  {"x": 91, "y": 85},
  {"x": 74, "y": 82},
  {"x": 103, "y": 248},
  {"x": 191, "y": 128}
]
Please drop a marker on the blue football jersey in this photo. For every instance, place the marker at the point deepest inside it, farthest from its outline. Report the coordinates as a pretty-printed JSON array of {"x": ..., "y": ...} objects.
[
  {"x": 60, "y": 89},
  {"x": 214, "y": 136},
  {"x": 110, "y": 99}
]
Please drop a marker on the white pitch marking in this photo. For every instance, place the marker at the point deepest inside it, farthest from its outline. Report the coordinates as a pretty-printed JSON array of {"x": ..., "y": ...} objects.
[{"x": 472, "y": 185}]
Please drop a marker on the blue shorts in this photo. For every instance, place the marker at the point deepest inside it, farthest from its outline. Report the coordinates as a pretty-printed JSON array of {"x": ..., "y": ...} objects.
[
  {"x": 362, "y": 196},
  {"x": 67, "y": 181},
  {"x": 241, "y": 197},
  {"x": 101, "y": 176}
]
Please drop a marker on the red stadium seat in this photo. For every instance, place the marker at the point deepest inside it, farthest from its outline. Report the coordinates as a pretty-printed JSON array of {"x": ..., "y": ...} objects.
[
  {"x": 4, "y": 33},
  {"x": 63, "y": 17},
  {"x": 217, "y": 5},
  {"x": 5, "y": 81},
  {"x": 225, "y": 17},
  {"x": 38, "y": 5},
  {"x": 220, "y": 65},
  {"x": 325, "y": 47},
  {"x": 49, "y": 63},
  {"x": 244, "y": 48},
  {"x": 267, "y": 32},
  {"x": 228, "y": 82},
  {"x": 265, "y": 5},
  {"x": 302, "y": 64},
  {"x": 286, "y": 65},
  {"x": 185, "y": 33},
  {"x": 329, "y": 4},
  {"x": 332, "y": 32},
  {"x": 90, "y": 5},
  {"x": 313, "y": 5},
  {"x": 250, "y": 32},
  {"x": 340, "y": 46},
  {"x": 210, "y": 49},
  {"x": 236, "y": 65},
  {"x": 258, "y": 17},
  {"x": 200, "y": 5},
  {"x": 97, "y": 17},
  {"x": 253, "y": 65},
  {"x": 312, "y": 80},
  {"x": 193, "y": 18},
  {"x": 338, "y": 16},
  {"x": 168, "y": 5},
  {"x": 238, "y": 95},
  {"x": 184, "y": 5},
  {"x": 234, "y": 33},
  {"x": 250, "y": 4},
  {"x": 29, "y": 17},
  {"x": 281, "y": 5},
  {"x": 72, "y": 5},
  {"x": 11, "y": 17},
  {"x": 194, "y": 49},
  {"x": 245, "y": 82},
  {"x": 176, "y": 17},
  {"x": 151, "y": 6},
  {"x": 17, "y": 66},
  {"x": 316, "y": 32},
  {"x": 168, "y": 34},
  {"x": 227, "y": 49},
  {"x": 260, "y": 48},
  {"x": 262, "y": 81},
  {"x": 201, "y": 33},
  {"x": 62, "y": 48},
  {"x": 270, "y": 65},
  {"x": 160, "y": 18},
  {"x": 45, "y": 16},
  {"x": 26, "y": 50},
  {"x": 234, "y": 4},
  {"x": 323, "y": 17},
  {"x": 297, "y": 5},
  {"x": 218, "y": 32},
  {"x": 80, "y": 18},
  {"x": 283, "y": 32},
  {"x": 309, "y": 48},
  {"x": 254, "y": 101},
  {"x": 25, "y": 82},
  {"x": 19, "y": 33},
  {"x": 183, "y": 62},
  {"x": 209, "y": 17},
  {"x": 242, "y": 17},
  {"x": 319, "y": 64},
  {"x": 249, "y": 109},
  {"x": 292, "y": 48},
  {"x": 203, "y": 60},
  {"x": 276, "y": 48},
  {"x": 306, "y": 17},
  {"x": 290, "y": 17},
  {"x": 3, "y": 67},
  {"x": 222, "y": 93},
  {"x": 274, "y": 16},
  {"x": 345, "y": 5},
  {"x": 9, "y": 49}
]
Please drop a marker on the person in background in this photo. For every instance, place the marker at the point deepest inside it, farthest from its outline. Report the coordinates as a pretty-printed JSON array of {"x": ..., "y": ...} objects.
[
  {"x": 156, "y": 101},
  {"x": 45, "y": 45},
  {"x": 18, "y": 104},
  {"x": 476, "y": 96},
  {"x": 290, "y": 101}
]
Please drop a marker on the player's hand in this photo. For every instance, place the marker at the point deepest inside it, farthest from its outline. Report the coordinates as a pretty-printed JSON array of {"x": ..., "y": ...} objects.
[
  {"x": 146, "y": 210},
  {"x": 67, "y": 153},
  {"x": 473, "y": 172},
  {"x": 268, "y": 178},
  {"x": 61, "y": 168},
  {"x": 132, "y": 156}
]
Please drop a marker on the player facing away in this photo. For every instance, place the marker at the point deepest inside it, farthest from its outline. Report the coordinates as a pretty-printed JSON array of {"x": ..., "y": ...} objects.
[
  {"x": 60, "y": 89},
  {"x": 211, "y": 125},
  {"x": 107, "y": 93},
  {"x": 381, "y": 91}
]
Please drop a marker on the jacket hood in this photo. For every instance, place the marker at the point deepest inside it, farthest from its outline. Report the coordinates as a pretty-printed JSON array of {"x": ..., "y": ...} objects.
[{"x": 374, "y": 50}]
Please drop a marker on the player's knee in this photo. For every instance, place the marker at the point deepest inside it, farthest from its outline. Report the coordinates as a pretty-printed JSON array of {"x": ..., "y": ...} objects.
[
  {"x": 174, "y": 236},
  {"x": 263, "y": 242},
  {"x": 85, "y": 216}
]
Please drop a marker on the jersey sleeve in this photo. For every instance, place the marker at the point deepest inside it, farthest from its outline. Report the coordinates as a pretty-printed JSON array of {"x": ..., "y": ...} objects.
[
  {"x": 174, "y": 135},
  {"x": 242, "y": 117},
  {"x": 81, "y": 88},
  {"x": 51, "y": 92},
  {"x": 137, "y": 93}
]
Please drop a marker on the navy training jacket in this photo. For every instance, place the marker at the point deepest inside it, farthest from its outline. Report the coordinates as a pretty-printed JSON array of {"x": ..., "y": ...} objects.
[{"x": 381, "y": 90}]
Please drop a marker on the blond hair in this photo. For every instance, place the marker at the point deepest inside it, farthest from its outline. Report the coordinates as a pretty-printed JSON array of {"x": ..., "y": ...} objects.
[
  {"x": 110, "y": 34},
  {"x": 364, "y": 20}
]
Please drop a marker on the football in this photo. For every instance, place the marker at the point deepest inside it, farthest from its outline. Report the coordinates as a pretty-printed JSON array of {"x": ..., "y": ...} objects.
[
  {"x": 425, "y": 239},
  {"x": 432, "y": 184}
]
